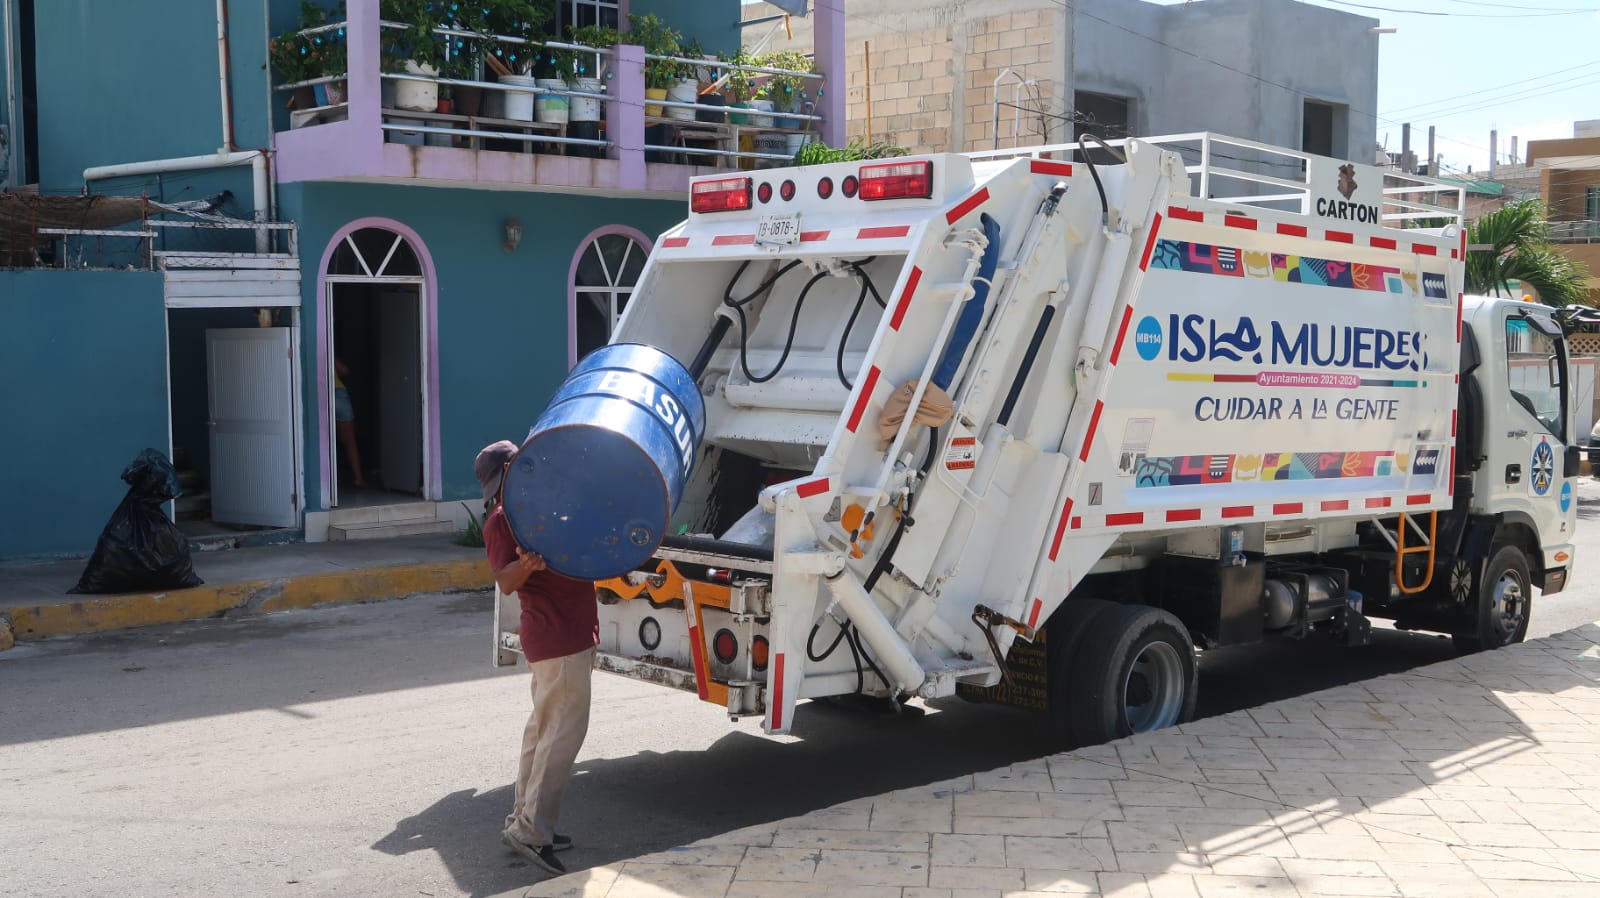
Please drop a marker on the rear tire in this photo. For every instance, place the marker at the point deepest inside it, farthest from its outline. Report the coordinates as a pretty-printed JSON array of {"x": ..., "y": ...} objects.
[
  {"x": 1503, "y": 600},
  {"x": 1135, "y": 673},
  {"x": 1063, "y": 644}
]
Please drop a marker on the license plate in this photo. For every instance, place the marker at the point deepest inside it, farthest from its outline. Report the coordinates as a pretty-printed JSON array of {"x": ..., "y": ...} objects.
[{"x": 782, "y": 229}]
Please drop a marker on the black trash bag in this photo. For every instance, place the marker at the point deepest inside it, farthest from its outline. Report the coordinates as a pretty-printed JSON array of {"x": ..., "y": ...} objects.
[{"x": 140, "y": 549}]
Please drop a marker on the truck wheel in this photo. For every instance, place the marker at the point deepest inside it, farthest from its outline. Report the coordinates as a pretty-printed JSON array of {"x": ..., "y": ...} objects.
[
  {"x": 1505, "y": 596},
  {"x": 1135, "y": 673},
  {"x": 1063, "y": 642}
]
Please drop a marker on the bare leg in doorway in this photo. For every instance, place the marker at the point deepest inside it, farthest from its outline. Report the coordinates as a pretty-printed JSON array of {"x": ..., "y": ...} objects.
[{"x": 344, "y": 414}]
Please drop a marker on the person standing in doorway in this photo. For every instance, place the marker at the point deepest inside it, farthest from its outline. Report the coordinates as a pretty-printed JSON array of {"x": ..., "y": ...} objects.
[
  {"x": 344, "y": 415},
  {"x": 560, "y": 628}
]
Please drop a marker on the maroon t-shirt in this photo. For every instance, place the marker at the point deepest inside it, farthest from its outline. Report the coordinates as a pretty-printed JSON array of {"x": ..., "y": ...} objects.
[{"x": 560, "y": 616}]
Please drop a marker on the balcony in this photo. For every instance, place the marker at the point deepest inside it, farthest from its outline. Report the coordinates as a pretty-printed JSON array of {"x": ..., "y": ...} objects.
[{"x": 502, "y": 130}]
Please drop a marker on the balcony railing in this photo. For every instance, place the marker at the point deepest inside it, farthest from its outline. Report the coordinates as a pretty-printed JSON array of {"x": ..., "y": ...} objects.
[
  {"x": 607, "y": 115},
  {"x": 1575, "y": 231}
]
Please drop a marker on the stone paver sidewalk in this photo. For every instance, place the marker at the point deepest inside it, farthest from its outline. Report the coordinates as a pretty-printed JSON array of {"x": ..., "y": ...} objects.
[{"x": 1474, "y": 777}]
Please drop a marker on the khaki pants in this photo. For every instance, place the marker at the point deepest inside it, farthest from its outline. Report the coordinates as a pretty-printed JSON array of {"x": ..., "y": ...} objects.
[{"x": 550, "y": 744}]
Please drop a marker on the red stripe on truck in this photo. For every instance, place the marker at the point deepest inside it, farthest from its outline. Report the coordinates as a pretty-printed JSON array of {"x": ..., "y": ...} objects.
[
  {"x": 1383, "y": 243},
  {"x": 813, "y": 236},
  {"x": 1125, "y": 519},
  {"x": 1240, "y": 222},
  {"x": 863, "y": 399},
  {"x": 1419, "y": 500},
  {"x": 1380, "y": 502},
  {"x": 777, "y": 692},
  {"x": 1453, "y": 422},
  {"x": 734, "y": 240},
  {"x": 675, "y": 242},
  {"x": 1238, "y": 511},
  {"x": 966, "y": 205},
  {"x": 1291, "y": 230},
  {"x": 912, "y": 279},
  {"x": 1122, "y": 331},
  {"x": 1033, "y": 616},
  {"x": 1425, "y": 249},
  {"x": 1183, "y": 214},
  {"x": 1094, "y": 422},
  {"x": 812, "y": 488},
  {"x": 1289, "y": 508},
  {"x": 874, "y": 233},
  {"x": 1046, "y": 167},
  {"x": 1178, "y": 515},
  {"x": 1341, "y": 237},
  {"x": 1061, "y": 528},
  {"x": 1150, "y": 242},
  {"x": 1336, "y": 505}
]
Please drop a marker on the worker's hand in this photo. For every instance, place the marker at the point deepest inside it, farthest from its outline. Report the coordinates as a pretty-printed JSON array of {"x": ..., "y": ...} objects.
[{"x": 528, "y": 562}]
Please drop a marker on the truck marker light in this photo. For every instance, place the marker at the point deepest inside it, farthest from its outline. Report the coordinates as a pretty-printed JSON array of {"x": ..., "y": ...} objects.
[
  {"x": 786, "y": 191},
  {"x": 764, "y": 192},
  {"x": 825, "y": 188},
  {"x": 725, "y": 646},
  {"x": 650, "y": 634},
  {"x": 849, "y": 185},
  {"x": 1562, "y": 557},
  {"x": 720, "y": 195},
  {"x": 897, "y": 181},
  {"x": 759, "y": 652}
]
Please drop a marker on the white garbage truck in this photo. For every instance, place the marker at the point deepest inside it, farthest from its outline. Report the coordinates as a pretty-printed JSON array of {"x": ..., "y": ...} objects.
[{"x": 1036, "y": 425}]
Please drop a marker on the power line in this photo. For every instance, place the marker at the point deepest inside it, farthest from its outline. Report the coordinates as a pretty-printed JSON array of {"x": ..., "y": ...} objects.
[{"x": 1495, "y": 89}]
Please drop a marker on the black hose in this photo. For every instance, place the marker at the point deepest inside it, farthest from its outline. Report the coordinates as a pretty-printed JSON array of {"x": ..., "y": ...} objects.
[
  {"x": 866, "y": 287},
  {"x": 886, "y": 558},
  {"x": 855, "y": 637},
  {"x": 709, "y": 347},
  {"x": 1105, "y": 206}
]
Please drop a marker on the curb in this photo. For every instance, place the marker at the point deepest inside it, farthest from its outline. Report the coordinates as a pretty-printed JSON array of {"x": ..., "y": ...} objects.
[{"x": 101, "y": 614}]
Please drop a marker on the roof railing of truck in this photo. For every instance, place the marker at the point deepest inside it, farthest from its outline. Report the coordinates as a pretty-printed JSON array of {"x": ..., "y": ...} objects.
[{"x": 1252, "y": 174}]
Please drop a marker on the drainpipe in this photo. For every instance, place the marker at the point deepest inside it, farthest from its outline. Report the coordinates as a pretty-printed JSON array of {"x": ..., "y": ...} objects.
[
  {"x": 223, "y": 65},
  {"x": 13, "y": 119}
]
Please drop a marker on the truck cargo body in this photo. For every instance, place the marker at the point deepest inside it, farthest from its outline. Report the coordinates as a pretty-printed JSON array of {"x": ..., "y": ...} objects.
[{"x": 1134, "y": 421}]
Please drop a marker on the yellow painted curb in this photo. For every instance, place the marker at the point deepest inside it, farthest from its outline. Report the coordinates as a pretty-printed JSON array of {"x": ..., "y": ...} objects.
[{"x": 210, "y": 600}]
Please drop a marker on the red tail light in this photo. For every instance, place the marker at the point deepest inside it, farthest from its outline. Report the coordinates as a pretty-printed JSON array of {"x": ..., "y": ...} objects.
[
  {"x": 721, "y": 195},
  {"x": 725, "y": 646},
  {"x": 897, "y": 181}
]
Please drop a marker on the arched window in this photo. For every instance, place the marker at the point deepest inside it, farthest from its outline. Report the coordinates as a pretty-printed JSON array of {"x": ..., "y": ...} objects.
[
  {"x": 375, "y": 253},
  {"x": 608, "y": 270}
]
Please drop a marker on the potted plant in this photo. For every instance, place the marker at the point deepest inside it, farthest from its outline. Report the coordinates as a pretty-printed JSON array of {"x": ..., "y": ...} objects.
[
  {"x": 518, "y": 60},
  {"x": 788, "y": 91},
  {"x": 589, "y": 69},
  {"x": 420, "y": 51},
  {"x": 743, "y": 87},
  {"x": 303, "y": 57},
  {"x": 657, "y": 39}
]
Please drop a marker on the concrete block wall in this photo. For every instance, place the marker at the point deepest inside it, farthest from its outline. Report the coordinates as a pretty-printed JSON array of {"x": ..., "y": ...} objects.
[
  {"x": 1028, "y": 43},
  {"x": 913, "y": 89}
]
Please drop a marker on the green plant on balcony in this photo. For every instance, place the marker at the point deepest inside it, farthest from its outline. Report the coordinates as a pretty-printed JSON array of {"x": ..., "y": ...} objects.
[
  {"x": 297, "y": 56},
  {"x": 788, "y": 91},
  {"x": 413, "y": 39},
  {"x": 742, "y": 85},
  {"x": 526, "y": 20},
  {"x": 658, "y": 39}
]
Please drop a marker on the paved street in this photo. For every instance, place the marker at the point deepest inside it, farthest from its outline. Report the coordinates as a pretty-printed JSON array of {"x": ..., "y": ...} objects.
[{"x": 367, "y": 750}]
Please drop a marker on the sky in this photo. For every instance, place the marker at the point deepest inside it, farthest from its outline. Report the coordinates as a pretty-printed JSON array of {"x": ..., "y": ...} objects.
[{"x": 1527, "y": 68}]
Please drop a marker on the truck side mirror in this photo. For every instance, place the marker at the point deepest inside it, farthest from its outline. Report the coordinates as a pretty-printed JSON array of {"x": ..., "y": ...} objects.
[{"x": 1570, "y": 465}]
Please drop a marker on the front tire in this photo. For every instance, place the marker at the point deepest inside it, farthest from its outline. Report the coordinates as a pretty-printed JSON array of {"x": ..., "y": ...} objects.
[
  {"x": 1135, "y": 672},
  {"x": 1063, "y": 644},
  {"x": 1503, "y": 602}
]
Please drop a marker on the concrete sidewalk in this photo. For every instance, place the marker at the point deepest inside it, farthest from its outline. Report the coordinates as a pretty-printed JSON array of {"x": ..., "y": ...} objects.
[
  {"x": 34, "y": 602},
  {"x": 1473, "y": 777}
]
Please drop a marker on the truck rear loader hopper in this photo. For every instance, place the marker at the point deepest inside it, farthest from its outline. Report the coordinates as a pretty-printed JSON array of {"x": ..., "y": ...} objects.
[{"x": 1032, "y": 425}]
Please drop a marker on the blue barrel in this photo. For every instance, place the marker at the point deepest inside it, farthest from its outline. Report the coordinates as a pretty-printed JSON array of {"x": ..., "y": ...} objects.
[{"x": 595, "y": 484}]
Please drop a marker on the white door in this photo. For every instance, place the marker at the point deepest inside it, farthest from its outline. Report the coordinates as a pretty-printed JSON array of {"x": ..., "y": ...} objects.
[
  {"x": 400, "y": 389},
  {"x": 250, "y": 386}
]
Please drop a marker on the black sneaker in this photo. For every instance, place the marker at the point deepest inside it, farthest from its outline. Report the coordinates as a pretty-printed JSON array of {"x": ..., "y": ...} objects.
[
  {"x": 561, "y": 843},
  {"x": 540, "y": 856}
]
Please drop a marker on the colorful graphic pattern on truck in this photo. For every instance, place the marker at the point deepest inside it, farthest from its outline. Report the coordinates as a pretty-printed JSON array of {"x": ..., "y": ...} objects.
[{"x": 1230, "y": 261}]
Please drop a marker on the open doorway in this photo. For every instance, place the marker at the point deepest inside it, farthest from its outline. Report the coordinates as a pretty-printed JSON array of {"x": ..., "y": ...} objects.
[
  {"x": 377, "y": 402},
  {"x": 233, "y": 413}
]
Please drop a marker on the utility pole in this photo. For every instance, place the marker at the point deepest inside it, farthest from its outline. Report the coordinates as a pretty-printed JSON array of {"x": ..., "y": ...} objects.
[
  {"x": 1069, "y": 100},
  {"x": 1405, "y": 150},
  {"x": 1433, "y": 167},
  {"x": 1494, "y": 151}
]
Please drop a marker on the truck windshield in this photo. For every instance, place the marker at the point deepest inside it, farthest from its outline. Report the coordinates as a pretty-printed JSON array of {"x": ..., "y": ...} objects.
[{"x": 1536, "y": 362}]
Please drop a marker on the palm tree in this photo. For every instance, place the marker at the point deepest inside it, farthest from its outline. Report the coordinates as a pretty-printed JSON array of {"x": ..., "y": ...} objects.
[{"x": 1519, "y": 236}]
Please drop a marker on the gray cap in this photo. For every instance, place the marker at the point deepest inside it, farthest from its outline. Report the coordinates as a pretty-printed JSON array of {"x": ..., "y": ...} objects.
[{"x": 491, "y": 466}]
